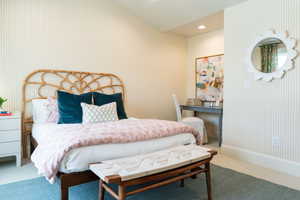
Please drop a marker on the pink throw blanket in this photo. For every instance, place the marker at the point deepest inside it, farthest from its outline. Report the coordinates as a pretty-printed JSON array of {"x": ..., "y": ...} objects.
[{"x": 58, "y": 141}]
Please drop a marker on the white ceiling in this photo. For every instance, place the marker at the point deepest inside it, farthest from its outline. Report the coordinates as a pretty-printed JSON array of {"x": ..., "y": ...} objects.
[
  {"x": 212, "y": 22},
  {"x": 170, "y": 14}
]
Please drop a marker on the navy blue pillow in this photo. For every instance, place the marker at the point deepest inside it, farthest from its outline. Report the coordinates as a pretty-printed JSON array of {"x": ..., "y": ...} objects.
[
  {"x": 69, "y": 108},
  {"x": 101, "y": 99}
]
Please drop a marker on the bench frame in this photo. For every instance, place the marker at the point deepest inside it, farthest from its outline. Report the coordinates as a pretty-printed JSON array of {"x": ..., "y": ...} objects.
[{"x": 164, "y": 178}]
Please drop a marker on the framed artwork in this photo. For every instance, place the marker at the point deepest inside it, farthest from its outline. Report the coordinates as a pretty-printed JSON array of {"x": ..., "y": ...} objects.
[{"x": 210, "y": 78}]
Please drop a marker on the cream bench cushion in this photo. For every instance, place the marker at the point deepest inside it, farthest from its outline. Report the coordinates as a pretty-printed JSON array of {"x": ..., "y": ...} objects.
[{"x": 147, "y": 164}]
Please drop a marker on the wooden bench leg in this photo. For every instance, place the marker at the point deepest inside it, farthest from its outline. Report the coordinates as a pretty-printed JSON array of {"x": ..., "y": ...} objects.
[
  {"x": 194, "y": 176},
  {"x": 122, "y": 192},
  {"x": 208, "y": 181},
  {"x": 101, "y": 190},
  {"x": 182, "y": 183},
  {"x": 64, "y": 193}
]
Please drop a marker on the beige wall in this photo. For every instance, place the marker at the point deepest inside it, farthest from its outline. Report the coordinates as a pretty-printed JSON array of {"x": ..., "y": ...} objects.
[
  {"x": 255, "y": 111},
  {"x": 207, "y": 44},
  {"x": 96, "y": 35},
  {"x": 211, "y": 43},
  {"x": 91, "y": 35}
]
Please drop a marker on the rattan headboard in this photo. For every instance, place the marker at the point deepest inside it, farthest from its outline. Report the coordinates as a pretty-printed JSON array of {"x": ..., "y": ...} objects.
[{"x": 43, "y": 83}]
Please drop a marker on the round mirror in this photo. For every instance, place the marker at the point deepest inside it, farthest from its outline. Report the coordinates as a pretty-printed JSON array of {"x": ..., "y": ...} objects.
[{"x": 269, "y": 55}]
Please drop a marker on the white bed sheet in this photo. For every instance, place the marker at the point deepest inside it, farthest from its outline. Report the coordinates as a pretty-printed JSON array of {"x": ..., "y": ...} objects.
[{"x": 78, "y": 159}]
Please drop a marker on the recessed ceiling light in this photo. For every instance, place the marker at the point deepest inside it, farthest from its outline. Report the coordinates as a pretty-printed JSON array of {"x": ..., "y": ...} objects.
[{"x": 201, "y": 27}]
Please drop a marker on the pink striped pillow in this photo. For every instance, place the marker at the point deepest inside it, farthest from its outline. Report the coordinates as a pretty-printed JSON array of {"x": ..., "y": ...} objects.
[{"x": 53, "y": 110}]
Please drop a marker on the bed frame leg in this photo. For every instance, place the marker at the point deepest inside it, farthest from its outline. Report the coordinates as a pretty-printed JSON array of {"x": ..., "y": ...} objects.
[
  {"x": 69, "y": 180},
  {"x": 64, "y": 193}
]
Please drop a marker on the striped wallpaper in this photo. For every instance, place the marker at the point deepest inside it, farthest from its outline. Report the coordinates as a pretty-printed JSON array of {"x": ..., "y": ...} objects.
[
  {"x": 93, "y": 36},
  {"x": 255, "y": 111}
]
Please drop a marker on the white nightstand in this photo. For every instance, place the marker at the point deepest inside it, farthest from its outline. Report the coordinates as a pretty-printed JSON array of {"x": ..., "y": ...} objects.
[{"x": 10, "y": 136}]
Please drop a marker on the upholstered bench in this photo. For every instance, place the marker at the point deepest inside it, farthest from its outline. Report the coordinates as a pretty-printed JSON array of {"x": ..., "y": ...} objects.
[{"x": 161, "y": 167}]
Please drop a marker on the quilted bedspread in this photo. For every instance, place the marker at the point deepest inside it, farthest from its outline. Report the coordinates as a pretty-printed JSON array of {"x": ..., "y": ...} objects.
[{"x": 59, "y": 140}]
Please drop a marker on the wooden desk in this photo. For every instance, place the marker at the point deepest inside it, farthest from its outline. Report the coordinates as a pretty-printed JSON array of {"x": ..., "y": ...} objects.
[{"x": 208, "y": 109}]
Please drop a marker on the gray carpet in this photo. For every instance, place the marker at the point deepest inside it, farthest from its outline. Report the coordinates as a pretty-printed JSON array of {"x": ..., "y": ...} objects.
[{"x": 227, "y": 185}]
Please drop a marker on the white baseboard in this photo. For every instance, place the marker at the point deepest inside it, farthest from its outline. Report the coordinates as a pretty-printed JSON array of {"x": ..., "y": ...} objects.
[{"x": 266, "y": 161}]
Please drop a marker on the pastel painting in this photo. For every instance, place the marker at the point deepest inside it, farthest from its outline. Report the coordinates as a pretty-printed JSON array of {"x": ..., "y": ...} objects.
[{"x": 210, "y": 78}]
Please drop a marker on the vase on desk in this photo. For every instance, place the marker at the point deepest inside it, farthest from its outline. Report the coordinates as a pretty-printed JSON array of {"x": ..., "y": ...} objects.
[{"x": 217, "y": 102}]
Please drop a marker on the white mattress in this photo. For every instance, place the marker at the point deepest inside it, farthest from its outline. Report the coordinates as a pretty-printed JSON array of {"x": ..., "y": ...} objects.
[{"x": 78, "y": 159}]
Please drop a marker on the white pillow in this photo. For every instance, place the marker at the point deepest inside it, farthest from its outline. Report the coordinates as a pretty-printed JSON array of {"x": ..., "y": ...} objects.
[
  {"x": 96, "y": 114},
  {"x": 40, "y": 112},
  {"x": 44, "y": 111}
]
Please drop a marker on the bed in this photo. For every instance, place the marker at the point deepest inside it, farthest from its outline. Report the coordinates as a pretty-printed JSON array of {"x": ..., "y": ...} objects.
[
  {"x": 77, "y": 160},
  {"x": 73, "y": 169}
]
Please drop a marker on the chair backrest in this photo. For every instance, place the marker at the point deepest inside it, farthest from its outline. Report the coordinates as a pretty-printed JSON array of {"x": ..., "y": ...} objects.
[{"x": 177, "y": 107}]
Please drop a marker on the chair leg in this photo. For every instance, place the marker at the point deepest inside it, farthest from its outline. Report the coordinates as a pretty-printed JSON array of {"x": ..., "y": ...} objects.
[
  {"x": 208, "y": 181},
  {"x": 195, "y": 113}
]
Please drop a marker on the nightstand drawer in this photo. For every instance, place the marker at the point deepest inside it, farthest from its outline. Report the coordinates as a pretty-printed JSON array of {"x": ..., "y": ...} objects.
[
  {"x": 10, "y": 124},
  {"x": 9, "y": 147},
  {"x": 9, "y": 136}
]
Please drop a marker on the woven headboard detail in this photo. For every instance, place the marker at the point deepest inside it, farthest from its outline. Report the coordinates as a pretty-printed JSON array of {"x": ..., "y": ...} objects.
[{"x": 42, "y": 84}]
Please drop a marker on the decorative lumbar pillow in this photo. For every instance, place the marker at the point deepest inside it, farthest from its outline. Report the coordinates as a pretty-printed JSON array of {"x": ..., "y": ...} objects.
[
  {"x": 101, "y": 99},
  {"x": 97, "y": 114},
  {"x": 69, "y": 108}
]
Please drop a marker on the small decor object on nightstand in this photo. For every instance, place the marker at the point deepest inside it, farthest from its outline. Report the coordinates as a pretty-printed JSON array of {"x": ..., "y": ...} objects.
[
  {"x": 2, "y": 101},
  {"x": 10, "y": 136},
  {"x": 2, "y": 112}
]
